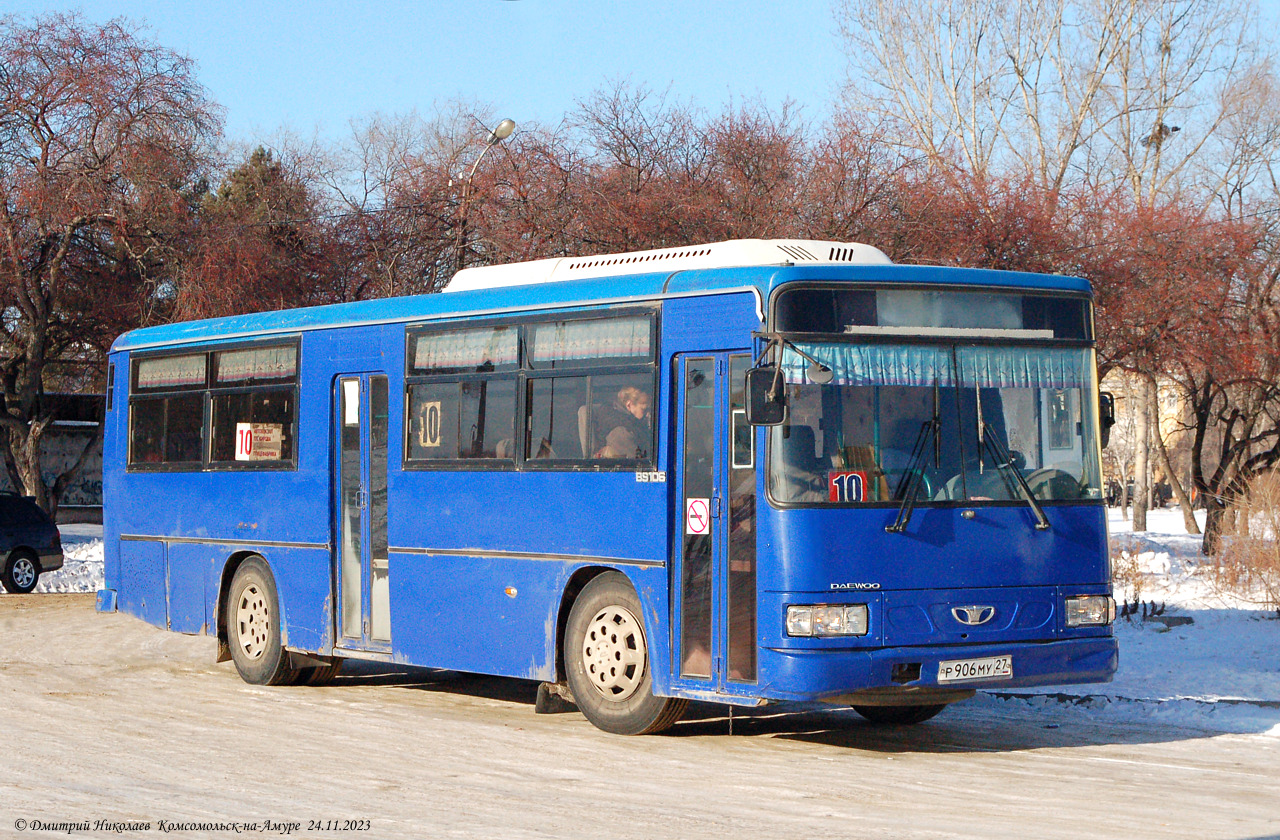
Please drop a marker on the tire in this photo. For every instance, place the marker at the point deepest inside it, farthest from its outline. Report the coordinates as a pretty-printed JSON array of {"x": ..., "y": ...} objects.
[
  {"x": 318, "y": 674},
  {"x": 898, "y": 715},
  {"x": 21, "y": 571},
  {"x": 253, "y": 626},
  {"x": 607, "y": 659}
]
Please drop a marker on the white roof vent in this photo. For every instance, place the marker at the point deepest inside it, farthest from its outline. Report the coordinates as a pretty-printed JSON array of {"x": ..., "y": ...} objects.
[{"x": 732, "y": 253}]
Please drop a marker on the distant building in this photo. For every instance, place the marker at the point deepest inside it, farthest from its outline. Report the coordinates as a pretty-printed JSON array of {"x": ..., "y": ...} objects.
[{"x": 1171, "y": 413}]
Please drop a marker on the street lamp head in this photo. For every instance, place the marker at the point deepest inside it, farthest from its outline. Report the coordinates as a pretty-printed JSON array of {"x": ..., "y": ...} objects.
[{"x": 501, "y": 132}]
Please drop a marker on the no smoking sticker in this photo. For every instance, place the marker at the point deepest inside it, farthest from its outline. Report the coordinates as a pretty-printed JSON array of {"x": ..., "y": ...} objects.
[{"x": 697, "y": 517}]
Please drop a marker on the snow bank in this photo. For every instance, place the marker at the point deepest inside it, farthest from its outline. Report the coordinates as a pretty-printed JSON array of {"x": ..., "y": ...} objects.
[
  {"x": 81, "y": 561},
  {"x": 1220, "y": 671}
]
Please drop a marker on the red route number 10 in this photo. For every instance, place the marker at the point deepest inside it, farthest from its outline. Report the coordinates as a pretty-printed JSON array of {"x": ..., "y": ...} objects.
[
  {"x": 244, "y": 440},
  {"x": 846, "y": 486}
]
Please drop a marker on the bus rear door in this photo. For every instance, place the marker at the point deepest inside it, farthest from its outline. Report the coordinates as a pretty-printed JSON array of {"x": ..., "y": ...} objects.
[{"x": 362, "y": 612}]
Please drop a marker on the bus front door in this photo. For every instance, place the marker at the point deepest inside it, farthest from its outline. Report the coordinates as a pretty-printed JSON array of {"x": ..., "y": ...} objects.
[
  {"x": 715, "y": 581},
  {"x": 363, "y": 615}
]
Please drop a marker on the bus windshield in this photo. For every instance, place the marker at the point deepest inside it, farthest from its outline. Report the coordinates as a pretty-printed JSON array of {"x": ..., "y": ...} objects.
[{"x": 965, "y": 416}]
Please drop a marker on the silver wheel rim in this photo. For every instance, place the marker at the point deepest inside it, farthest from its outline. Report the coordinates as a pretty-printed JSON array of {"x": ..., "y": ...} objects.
[
  {"x": 613, "y": 653},
  {"x": 253, "y": 622},
  {"x": 24, "y": 573}
]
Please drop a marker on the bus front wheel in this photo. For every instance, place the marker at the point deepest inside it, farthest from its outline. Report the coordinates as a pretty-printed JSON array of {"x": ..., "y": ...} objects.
[
  {"x": 898, "y": 715},
  {"x": 253, "y": 626},
  {"x": 608, "y": 663}
]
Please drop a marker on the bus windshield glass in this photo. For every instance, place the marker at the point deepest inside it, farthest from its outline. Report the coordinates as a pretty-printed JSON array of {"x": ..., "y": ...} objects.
[{"x": 965, "y": 416}]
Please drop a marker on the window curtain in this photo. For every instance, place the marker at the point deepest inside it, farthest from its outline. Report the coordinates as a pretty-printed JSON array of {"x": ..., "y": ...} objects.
[
  {"x": 1023, "y": 367},
  {"x": 597, "y": 339},
  {"x": 873, "y": 364},
  {"x": 924, "y": 365},
  {"x": 259, "y": 363},
  {"x": 171, "y": 372},
  {"x": 466, "y": 349}
]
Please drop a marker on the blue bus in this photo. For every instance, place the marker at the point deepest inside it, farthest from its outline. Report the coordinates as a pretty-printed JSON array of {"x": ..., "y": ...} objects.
[{"x": 742, "y": 472}]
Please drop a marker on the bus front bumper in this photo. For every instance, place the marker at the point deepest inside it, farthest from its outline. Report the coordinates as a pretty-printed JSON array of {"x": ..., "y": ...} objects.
[{"x": 825, "y": 675}]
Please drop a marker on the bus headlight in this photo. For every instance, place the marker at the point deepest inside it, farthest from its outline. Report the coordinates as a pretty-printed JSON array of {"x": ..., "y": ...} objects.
[
  {"x": 1090, "y": 610},
  {"x": 827, "y": 620}
]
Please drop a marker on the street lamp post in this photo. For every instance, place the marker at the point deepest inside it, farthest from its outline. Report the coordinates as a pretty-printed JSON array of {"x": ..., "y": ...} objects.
[{"x": 499, "y": 133}]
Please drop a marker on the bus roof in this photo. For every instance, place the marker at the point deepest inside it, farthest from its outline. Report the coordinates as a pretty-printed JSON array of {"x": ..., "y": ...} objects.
[{"x": 538, "y": 286}]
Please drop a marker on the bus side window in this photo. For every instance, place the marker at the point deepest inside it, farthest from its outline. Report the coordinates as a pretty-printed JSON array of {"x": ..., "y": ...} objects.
[
  {"x": 433, "y": 423},
  {"x": 596, "y": 419},
  {"x": 253, "y": 426},
  {"x": 473, "y": 419},
  {"x": 557, "y": 425}
]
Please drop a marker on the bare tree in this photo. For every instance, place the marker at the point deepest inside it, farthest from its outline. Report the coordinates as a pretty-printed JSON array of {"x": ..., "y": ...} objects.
[
  {"x": 990, "y": 85},
  {"x": 102, "y": 137},
  {"x": 1069, "y": 90}
]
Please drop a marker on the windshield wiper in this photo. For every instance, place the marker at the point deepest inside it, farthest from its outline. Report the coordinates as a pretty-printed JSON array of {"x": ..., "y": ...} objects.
[
  {"x": 1004, "y": 462},
  {"x": 909, "y": 487}
]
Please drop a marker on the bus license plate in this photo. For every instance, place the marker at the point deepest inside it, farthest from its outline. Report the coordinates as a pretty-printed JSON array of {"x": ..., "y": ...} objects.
[{"x": 992, "y": 668}]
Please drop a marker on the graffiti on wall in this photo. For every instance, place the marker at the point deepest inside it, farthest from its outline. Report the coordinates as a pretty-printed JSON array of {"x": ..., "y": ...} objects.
[{"x": 58, "y": 451}]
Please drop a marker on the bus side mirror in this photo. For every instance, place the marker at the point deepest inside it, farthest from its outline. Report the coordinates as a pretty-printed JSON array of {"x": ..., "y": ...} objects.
[
  {"x": 1106, "y": 415},
  {"x": 762, "y": 409}
]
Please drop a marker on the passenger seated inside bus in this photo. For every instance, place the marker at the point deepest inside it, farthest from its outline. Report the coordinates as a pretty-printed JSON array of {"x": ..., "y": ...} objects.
[{"x": 622, "y": 429}]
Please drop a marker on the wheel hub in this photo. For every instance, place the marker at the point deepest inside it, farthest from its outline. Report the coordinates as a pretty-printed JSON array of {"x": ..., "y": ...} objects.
[
  {"x": 252, "y": 622},
  {"x": 24, "y": 572},
  {"x": 613, "y": 653}
]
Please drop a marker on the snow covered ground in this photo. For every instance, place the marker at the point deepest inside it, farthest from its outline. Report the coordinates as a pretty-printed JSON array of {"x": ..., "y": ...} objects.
[{"x": 1220, "y": 672}]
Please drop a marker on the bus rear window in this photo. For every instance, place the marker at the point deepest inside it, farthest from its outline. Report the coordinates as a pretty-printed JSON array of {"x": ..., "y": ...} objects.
[
  {"x": 166, "y": 430},
  {"x": 251, "y": 418}
]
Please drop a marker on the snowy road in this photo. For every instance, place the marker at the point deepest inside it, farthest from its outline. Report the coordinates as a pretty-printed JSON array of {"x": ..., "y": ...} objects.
[{"x": 108, "y": 718}]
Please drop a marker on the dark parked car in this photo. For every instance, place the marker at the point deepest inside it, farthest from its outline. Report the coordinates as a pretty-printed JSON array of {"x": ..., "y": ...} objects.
[{"x": 29, "y": 543}]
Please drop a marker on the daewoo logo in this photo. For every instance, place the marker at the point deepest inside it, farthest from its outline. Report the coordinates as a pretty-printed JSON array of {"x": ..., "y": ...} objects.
[
  {"x": 855, "y": 586},
  {"x": 974, "y": 615}
]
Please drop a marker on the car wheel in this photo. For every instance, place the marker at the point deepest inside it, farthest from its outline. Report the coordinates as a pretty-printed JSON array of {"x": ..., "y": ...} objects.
[
  {"x": 21, "y": 571},
  {"x": 898, "y": 715},
  {"x": 607, "y": 659},
  {"x": 253, "y": 626}
]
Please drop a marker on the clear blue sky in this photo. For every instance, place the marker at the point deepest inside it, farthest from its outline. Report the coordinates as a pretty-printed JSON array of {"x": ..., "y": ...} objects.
[{"x": 315, "y": 65}]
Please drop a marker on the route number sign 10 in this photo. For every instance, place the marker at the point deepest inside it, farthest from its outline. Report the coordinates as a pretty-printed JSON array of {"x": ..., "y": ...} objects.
[
  {"x": 259, "y": 441},
  {"x": 846, "y": 486}
]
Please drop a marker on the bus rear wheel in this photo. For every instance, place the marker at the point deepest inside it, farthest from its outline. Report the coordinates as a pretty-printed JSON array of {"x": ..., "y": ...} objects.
[
  {"x": 898, "y": 715},
  {"x": 318, "y": 674},
  {"x": 253, "y": 626},
  {"x": 607, "y": 659}
]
